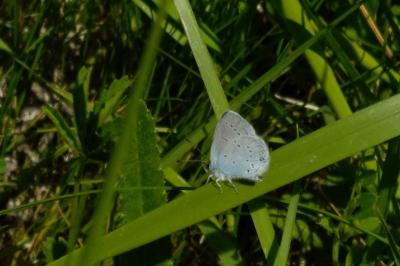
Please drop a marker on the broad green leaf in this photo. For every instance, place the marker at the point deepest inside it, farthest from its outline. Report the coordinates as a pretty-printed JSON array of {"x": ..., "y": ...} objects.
[{"x": 140, "y": 189}]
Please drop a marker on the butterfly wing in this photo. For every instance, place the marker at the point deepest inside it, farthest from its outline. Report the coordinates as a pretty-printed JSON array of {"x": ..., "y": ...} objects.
[
  {"x": 244, "y": 157},
  {"x": 230, "y": 126}
]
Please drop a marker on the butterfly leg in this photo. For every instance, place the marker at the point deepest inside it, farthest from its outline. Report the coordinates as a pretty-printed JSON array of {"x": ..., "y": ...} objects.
[
  {"x": 258, "y": 179},
  {"x": 232, "y": 185},
  {"x": 208, "y": 178},
  {"x": 218, "y": 185},
  {"x": 216, "y": 182}
]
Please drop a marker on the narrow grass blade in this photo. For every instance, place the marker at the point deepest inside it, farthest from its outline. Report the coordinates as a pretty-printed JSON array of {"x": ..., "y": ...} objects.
[
  {"x": 46, "y": 201},
  {"x": 4, "y": 46},
  {"x": 290, "y": 222},
  {"x": 264, "y": 228},
  {"x": 62, "y": 127},
  {"x": 392, "y": 239},
  {"x": 390, "y": 172},
  {"x": 77, "y": 205},
  {"x": 111, "y": 98},
  {"x": 202, "y": 57},
  {"x": 80, "y": 101},
  {"x": 171, "y": 29}
]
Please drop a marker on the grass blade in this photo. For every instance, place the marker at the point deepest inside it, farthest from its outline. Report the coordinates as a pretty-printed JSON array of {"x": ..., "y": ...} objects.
[
  {"x": 202, "y": 57},
  {"x": 62, "y": 127},
  {"x": 80, "y": 101},
  {"x": 263, "y": 225},
  {"x": 290, "y": 222},
  {"x": 392, "y": 240}
]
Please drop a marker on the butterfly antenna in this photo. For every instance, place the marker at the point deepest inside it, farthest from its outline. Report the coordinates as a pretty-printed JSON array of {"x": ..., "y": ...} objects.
[{"x": 197, "y": 149}]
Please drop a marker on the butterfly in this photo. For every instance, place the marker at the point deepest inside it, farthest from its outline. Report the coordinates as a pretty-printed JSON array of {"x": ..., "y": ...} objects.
[{"x": 237, "y": 152}]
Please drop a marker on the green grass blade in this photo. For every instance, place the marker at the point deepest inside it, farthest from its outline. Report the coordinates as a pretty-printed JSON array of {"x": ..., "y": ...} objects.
[
  {"x": 390, "y": 172},
  {"x": 80, "y": 101},
  {"x": 65, "y": 95},
  {"x": 172, "y": 30},
  {"x": 264, "y": 228},
  {"x": 202, "y": 57},
  {"x": 4, "y": 46},
  {"x": 335, "y": 217},
  {"x": 112, "y": 97},
  {"x": 62, "y": 127},
  {"x": 368, "y": 61},
  {"x": 222, "y": 243},
  {"x": 332, "y": 143},
  {"x": 300, "y": 26},
  {"x": 77, "y": 205},
  {"x": 46, "y": 201},
  {"x": 392, "y": 240},
  {"x": 283, "y": 252}
]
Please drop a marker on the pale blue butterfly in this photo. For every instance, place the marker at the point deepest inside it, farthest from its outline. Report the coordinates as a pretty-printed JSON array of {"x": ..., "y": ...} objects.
[{"x": 236, "y": 151}]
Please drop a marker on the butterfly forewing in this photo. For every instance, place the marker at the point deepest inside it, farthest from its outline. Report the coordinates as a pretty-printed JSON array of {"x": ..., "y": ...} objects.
[
  {"x": 245, "y": 157},
  {"x": 229, "y": 126}
]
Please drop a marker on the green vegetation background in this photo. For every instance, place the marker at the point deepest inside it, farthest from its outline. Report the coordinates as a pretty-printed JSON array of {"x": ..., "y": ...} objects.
[{"x": 107, "y": 112}]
